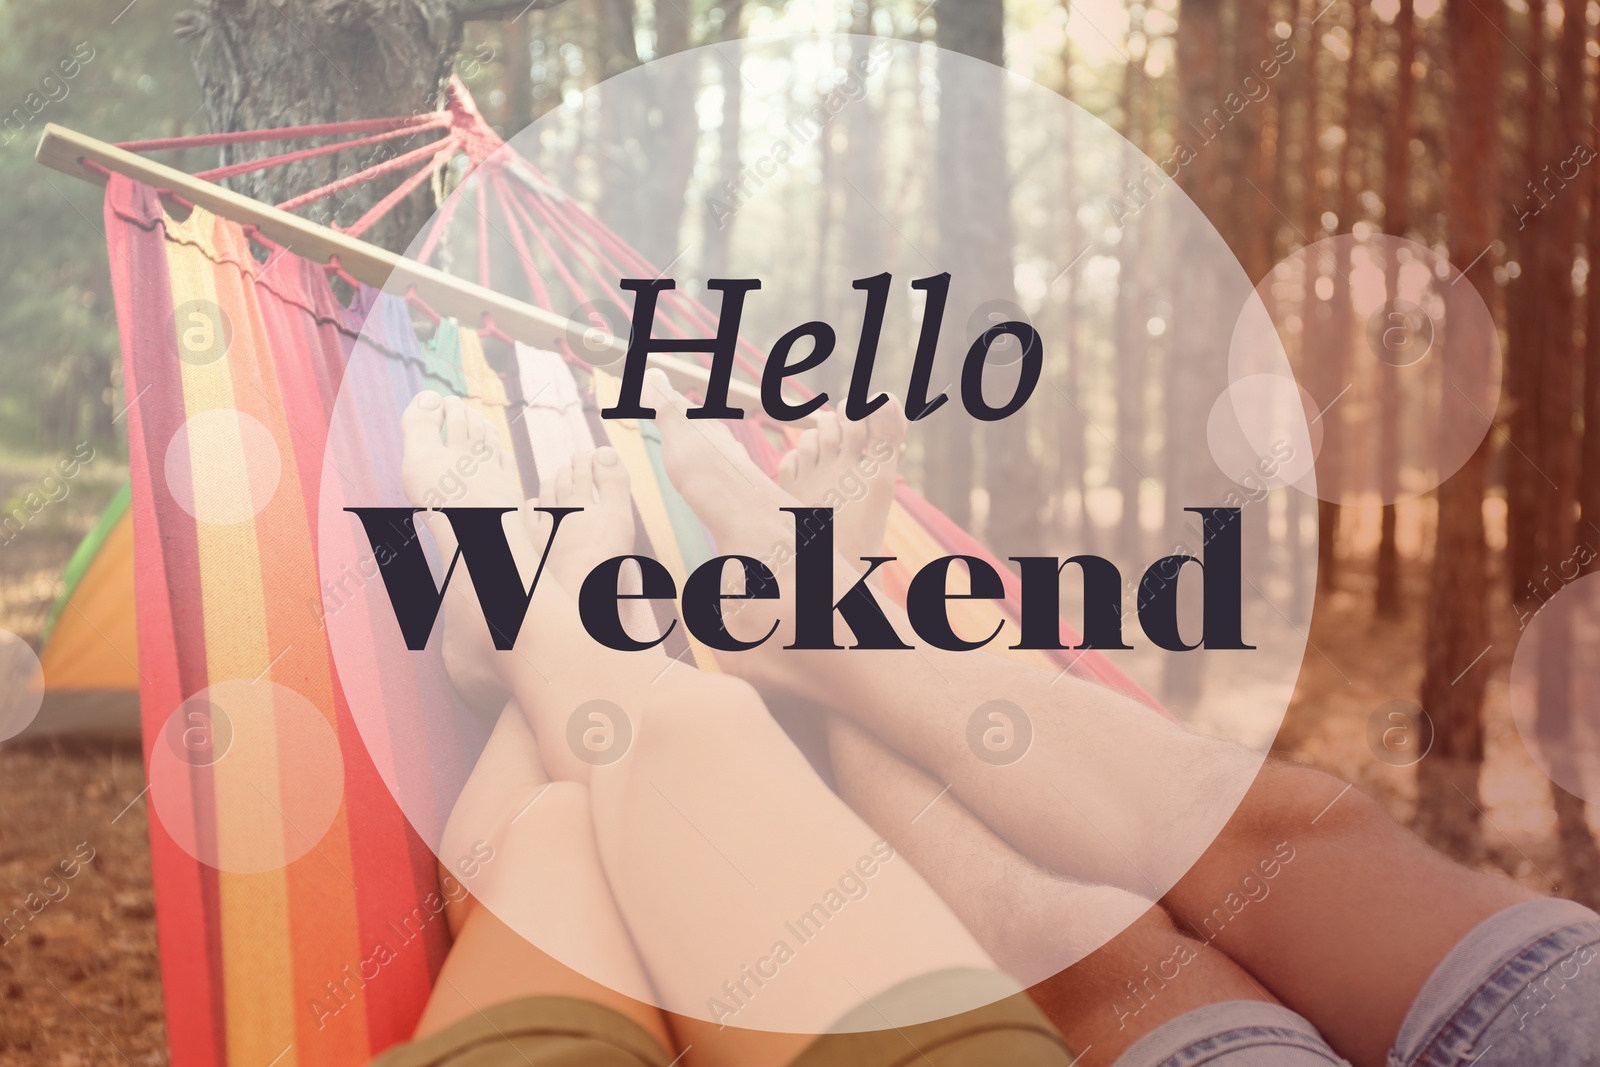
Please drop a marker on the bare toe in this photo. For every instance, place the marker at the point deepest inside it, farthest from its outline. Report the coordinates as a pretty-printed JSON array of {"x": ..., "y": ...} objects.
[
  {"x": 562, "y": 492},
  {"x": 806, "y": 453},
  {"x": 788, "y": 470},
  {"x": 455, "y": 422},
  {"x": 424, "y": 456},
  {"x": 852, "y": 438},
  {"x": 425, "y": 412},
  {"x": 583, "y": 478},
  {"x": 888, "y": 424},
  {"x": 610, "y": 476},
  {"x": 598, "y": 483},
  {"x": 829, "y": 435},
  {"x": 477, "y": 428}
]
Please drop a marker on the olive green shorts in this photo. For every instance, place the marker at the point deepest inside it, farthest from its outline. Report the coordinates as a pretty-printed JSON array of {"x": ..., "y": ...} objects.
[{"x": 563, "y": 1032}]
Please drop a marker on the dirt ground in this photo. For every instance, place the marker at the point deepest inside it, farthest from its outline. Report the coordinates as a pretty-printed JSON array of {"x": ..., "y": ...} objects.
[
  {"x": 80, "y": 983},
  {"x": 1358, "y": 665}
]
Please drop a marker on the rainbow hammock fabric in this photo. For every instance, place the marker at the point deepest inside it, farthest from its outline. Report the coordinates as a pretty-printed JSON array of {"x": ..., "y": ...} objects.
[{"x": 270, "y": 967}]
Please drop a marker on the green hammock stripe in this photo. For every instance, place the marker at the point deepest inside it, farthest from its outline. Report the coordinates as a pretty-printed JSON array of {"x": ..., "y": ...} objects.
[{"x": 693, "y": 544}]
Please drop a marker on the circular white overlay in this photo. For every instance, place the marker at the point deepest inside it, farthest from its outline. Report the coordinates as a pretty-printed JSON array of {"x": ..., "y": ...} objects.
[
  {"x": 1554, "y": 680},
  {"x": 750, "y": 892},
  {"x": 246, "y": 775},
  {"x": 21, "y": 685},
  {"x": 1396, "y": 354},
  {"x": 222, "y": 466}
]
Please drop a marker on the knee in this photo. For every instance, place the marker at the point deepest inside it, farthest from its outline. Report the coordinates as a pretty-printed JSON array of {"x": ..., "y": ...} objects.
[
  {"x": 560, "y": 807},
  {"x": 1289, "y": 802},
  {"x": 1043, "y": 923},
  {"x": 697, "y": 717},
  {"x": 1145, "y": 928}
]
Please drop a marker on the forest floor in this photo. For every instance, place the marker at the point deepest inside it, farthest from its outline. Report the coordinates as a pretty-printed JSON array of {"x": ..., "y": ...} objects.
[{"x": 81, "y": 984}]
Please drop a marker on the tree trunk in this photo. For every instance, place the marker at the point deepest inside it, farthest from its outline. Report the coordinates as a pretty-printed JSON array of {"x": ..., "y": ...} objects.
[
  {"x": 619, "y": 49},
  {"x": 1132, "y": 347},
  {"x": 1340, "y": 338},
  {"x": 623, "y": 125},
  {"x": 1396, "y": 220},
  {"x": 1284, "y": 237},
  {"x": 1526, "y": 333},
  {"x": 828, "y": 171},
  {"x": 1072, "y": 517},
  {"x": 1589, "y": 466},
  {"x": 1196, "y": 294},
  {"x": 719, "y": 227},
  {"x": 670, "y": 138},
  {"x": 862, "y": 166},
  {"x": 519, "y": 76},
  {"x": 1316, "y": 343},
  {"x": 264, "y": 65},
  {"x": 1249, "y": 153},
  {"x": 1457, "y": 625},
  {"x": 974, "y": 212},
  {"x": 1559, "y": 457}
]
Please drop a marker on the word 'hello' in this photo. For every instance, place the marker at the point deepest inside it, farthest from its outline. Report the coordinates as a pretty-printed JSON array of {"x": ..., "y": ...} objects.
[{"x": 779, "y": 366}]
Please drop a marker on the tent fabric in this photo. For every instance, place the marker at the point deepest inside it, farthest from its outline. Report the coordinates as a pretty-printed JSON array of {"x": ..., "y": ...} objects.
[
  {"x": 91, "y": 641},
  {"x": 83, "y": 556}
]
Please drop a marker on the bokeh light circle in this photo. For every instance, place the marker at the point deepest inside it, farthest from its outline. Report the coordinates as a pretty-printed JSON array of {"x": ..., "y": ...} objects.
[
  {"x": 21, "y": 685},
  {"x": 1396, "y": 350},
  {"x": 271, "y": 794},
  {"x": 1555, "y": 682},
  {"x": 1263, "y": 434},
  {"x": 223, "y": 466}
]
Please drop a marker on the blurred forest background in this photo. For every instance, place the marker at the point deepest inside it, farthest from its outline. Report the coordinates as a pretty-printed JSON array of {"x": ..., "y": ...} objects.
[{"x": 1464, "y": 125}]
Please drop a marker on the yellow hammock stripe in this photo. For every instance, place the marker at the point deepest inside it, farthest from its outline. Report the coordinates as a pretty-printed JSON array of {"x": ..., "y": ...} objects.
[{"x": 626, "y": 439}]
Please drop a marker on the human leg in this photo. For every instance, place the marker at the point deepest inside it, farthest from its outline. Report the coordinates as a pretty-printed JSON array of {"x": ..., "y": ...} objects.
[
  {"x": 540, "y": 899},
  {"x": 706, "y": 742},
  {"x": 1112, "y": 792},
  {"x": 1117, "y": 794}
]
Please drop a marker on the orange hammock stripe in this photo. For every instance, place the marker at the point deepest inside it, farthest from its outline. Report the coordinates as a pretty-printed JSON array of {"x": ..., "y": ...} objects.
[{"x": 247, "y": 956}]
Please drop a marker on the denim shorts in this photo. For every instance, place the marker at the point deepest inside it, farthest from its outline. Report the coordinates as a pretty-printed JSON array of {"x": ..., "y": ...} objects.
[{"x": 1522, "y": 989}]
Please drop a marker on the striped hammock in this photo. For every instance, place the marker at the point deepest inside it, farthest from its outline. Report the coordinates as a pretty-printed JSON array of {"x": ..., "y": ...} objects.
[{"x": 266, "y": 968}]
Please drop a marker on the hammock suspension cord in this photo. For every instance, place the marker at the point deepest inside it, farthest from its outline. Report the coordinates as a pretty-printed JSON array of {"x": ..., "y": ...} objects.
[{"x": 513, "y": 201}]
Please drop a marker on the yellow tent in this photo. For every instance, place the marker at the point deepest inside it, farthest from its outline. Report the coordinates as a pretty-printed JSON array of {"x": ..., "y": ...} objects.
[{"x": 90, "y": 656}]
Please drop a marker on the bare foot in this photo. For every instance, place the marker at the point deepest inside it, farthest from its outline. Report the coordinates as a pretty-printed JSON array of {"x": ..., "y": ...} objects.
[
  {"x": 598, "y": 483},
  {"x": 453, "y": 458},
  {"x": 719, "y": 480},
  {"x": 561, "y": 669},
  {"x": 850, "y": 467},
  {"x": 743, "y": 509}
]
